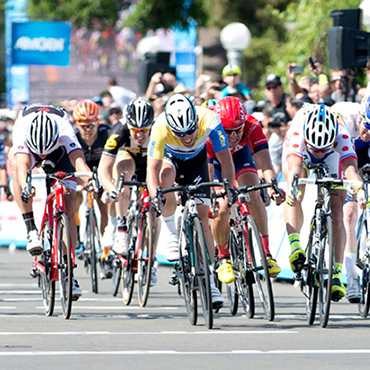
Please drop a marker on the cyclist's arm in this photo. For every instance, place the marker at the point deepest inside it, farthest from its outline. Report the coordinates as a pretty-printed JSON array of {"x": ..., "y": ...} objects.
[
  {"x": 227, "y": 165},
  {"x": 22, "y": 165},
  {"x": 263, "y": 161},
  {"x": 152, "y": 177},
  {"x": 295, "y": 165},
  {"x": 77, "y": 159},
  {"x": 351, "y": 171},
  {"x": 105, "y": 171}
]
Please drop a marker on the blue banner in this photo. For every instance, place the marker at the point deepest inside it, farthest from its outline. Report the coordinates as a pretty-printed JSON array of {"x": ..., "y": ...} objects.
[{"x": 41, "y": 43}]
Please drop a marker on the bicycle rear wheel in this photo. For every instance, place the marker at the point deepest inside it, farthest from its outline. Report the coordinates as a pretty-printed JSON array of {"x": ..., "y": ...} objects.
[
  {"x": 232, "y": 289},
  {"x": 65, "y": 265},
  {"x": 325, "y": 272},
  {"x": 117, "y": 272},
  {"x": 363, "y": 263},
  {"x": 202, "y": 271},
  {"x": 94, "y": 245},
  {"x": 260, "y": 268},
  {"x": 128, "y": 276},
  {"x": 145, "y": 259},
  {"x": 47, "y": 286},
  {"x": 310, "y": 288}
]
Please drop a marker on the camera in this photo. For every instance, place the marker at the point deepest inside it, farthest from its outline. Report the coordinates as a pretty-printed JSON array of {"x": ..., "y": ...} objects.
[
  {"x": 296, "y": 69},
  {"x": 277, "y": 120}
]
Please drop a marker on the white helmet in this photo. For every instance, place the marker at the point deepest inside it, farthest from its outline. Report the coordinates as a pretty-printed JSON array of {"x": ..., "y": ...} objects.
[
  {"x": 42, "y": 134},
  {"x": 365, "y": 111},
  {"x": 181, "y": 115},
  {"x": 321, "y": 127}
]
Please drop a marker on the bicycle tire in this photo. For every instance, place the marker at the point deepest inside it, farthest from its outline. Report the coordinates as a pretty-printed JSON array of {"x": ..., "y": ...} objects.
[
  {"x": 145, "y": 259},
  {"x": 187, "y": 279},
  {"x": 309, "y": 281},
  {"x": 232, "y": 289},
  {"x": 202, "y": 271},
  {"x": 47, "y": 286},
  {"x": 325, "y": 272},
  {"x": 94, "y": 236},
  {"x": 128, "y": 276},
  {"x": 246, "y": 277},
  {"x": 116, "y": 278},
  {"x": 260, "y": 269},
  {"x": 364, "y": 265},
  {"x": 65, "y": 267}
]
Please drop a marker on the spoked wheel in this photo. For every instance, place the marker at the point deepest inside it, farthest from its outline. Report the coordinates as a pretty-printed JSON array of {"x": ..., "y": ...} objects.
[
  {"x": 325, "y": 272},
  {"x": 202, "y": 272},
  {"x": 94, "y": 246},
  {"x": 128, "y": 276},
  {"x": 260, "y": 268},
  {"x": 232, "y": 288},
  {"x": 363, "y": 263},
  {"x": 246, "y": 278},
  {"x": 65, "y": 266},
  {"x": 116, "y": 279},
  {"x": 47, "y": 286},
  {"x": 145, "y": 258},
  {"x": 187, "y": 279},
  {"x": 310, "y": 287}
]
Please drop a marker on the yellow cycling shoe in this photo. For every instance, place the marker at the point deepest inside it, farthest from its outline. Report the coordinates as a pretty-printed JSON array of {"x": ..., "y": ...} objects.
[
  {"x": 297, "y": 259},
  {"x": 225, "y": 271},
  {"x": 274, "y": 268},
  {"x": 338, "y": 290}
]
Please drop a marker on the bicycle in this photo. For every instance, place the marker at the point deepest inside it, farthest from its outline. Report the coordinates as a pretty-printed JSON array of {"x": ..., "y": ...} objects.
[
  {"x": 91, "y": 247},
  {"x": 194, "y": 266},
  {"x": 363, "y": 253},
  {"x": 140, "y": 258},
  {"x": 316, "y": 277},
  {"x": 57, "y": 260},
  {"x": 247, "y": 255}
]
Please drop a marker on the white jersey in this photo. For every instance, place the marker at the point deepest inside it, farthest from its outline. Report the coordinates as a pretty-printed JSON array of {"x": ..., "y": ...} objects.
[
  {"x": 67, "y": 136},
  {"x": 295, "y": 144},
  {"x": 347, "y": 112}
]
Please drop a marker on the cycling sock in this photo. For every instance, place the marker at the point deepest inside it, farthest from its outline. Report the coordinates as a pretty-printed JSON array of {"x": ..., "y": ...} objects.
[
  {"x": 266, "y": 244},
  {"x": 122, "y": 223},
  {"x": 223, "y": 251},
  {"x": 29, "y": 221},
  {"x": 350, "y": 263},
  {"x": 294, "y": 240},
  {"x": 170, "y": 223}
]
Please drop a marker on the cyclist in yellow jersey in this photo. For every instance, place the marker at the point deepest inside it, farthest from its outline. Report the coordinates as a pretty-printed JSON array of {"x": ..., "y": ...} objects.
[{"x": 177, "y": 152}]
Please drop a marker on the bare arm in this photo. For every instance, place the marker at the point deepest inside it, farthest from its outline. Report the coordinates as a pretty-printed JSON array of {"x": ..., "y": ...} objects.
[
  {"x": 77, "y": 159},
  {"x": 152, "y": 177},
  {"x": 105, "y": 171},
  {"x": 227, "y": 165},
  {"x": 263, "y": 162}
]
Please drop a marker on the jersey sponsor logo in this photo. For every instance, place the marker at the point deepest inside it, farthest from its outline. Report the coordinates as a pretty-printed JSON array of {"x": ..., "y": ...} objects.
[
  {"x": 111, "y": 142},
  {"x": 221, "y": 137},
  {"x": 151, "y": 148}
]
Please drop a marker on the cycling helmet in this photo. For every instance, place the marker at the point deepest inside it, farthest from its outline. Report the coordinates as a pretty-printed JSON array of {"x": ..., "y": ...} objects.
[
  {"x": 139, "y": 114},
  {"x": 180, "y": 114},
  {"x": 42, "y": 134},
  {"x": 365, "y": 111},
  {"x": 320, "y": 127},
  {"x": 232, "y": 112},
  {"x": 231, "y": 69},
  {"x": 86, "y": 112}
]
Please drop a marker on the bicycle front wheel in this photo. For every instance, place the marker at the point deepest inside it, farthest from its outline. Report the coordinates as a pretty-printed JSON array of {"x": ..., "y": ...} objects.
[
  {"x": 117, "y": 272},
  {"x": 202, "y": 271},
  {"x": 325, "y": 271},
  {"x": 94, "y": 246},
  {"x": 232, "y": 288},
  {"x": 363, "y": 263},
  {"x": 145, "y": 259},
  {"x": 260, "y": 268},
  {"x": 65, "y": 265},
  {"x": 47, "y": 286}
]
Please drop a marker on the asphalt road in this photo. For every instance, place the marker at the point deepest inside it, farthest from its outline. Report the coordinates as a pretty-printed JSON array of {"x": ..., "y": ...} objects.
[{"x": 103, "y": 333}]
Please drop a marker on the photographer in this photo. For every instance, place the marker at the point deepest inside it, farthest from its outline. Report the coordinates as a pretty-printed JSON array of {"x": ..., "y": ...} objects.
[
  {"x": 277, "y": 130},
  {"x": 342, "y": 86}
]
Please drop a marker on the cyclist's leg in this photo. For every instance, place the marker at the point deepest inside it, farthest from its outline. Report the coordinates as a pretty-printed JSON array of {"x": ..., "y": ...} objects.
[{"x": 103, "y": 208}]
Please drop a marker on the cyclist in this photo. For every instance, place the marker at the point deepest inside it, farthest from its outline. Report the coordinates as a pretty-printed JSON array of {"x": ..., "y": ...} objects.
[
  {"x": 315, "y": 136},
  {"x": 125, "y": 151},
  {"x": 44, "y": 133},
  {"x": 92, "y": 137},
  {"x": 245, "y": 134},
  {"x": 356, "y": 117},
  {"x": 177, "y": 151},
  {"x": 4, "y": 172}
]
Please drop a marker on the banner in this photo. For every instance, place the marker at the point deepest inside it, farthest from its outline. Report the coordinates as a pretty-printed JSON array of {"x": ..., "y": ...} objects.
[{"x": 41, "y": 43}]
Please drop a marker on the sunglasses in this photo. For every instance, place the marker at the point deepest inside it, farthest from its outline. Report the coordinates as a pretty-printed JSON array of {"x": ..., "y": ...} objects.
[
  {"x": 182, "y": 134},
  {"x": 136, "y": 130},
  {"x": 91, "y": 125},
  {"x": 313, "y": 150},
  {"x": 271, "y": 87},
  {"x": 238, "y": 131}
]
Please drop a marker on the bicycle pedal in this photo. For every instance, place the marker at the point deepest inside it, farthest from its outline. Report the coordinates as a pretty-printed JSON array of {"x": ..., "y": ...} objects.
[
  {"x": 217, "y": 305},
  {"x": 34, "y": 273},
  {"x": 174, "y": 280}
]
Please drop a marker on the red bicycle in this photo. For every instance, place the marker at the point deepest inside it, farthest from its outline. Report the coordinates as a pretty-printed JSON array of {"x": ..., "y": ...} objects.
[{"x": 57, "y": 261}]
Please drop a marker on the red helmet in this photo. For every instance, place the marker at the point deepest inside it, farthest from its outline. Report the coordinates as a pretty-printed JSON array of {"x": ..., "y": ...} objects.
[{"x": 232, "y": 112}]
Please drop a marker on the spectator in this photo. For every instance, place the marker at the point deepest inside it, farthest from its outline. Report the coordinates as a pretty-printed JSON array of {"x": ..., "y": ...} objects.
[
  {"x": 120, "y": 95},
  {"x": 293, "y": 105},
  {"x": 341, "y": 86},
  {"x": 162, "y": 83},
  {"x": 231, "y": 75},
  {"x": 158, "y": 103},
  {"x": 275, "y": 95},
  {"x": 115, "y": 114}
]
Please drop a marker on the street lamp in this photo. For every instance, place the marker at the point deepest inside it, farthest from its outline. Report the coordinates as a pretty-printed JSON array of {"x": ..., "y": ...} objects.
[
  {"x": 365, "y": 6},
  {"x": 235, "y": 37}
]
